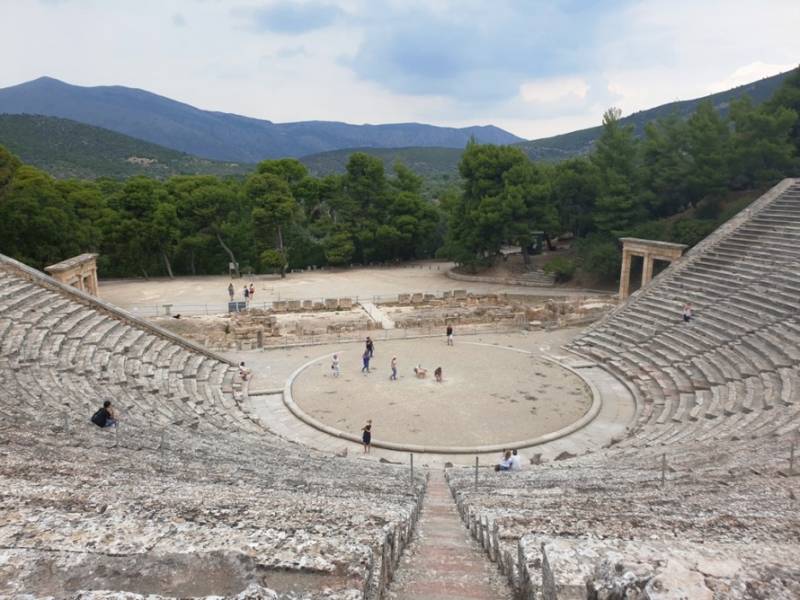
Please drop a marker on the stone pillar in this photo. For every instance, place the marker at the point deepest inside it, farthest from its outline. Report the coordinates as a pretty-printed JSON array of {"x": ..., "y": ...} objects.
[
  {"x": 647, "y": 269},
  {"x": 625, "y": 275}
]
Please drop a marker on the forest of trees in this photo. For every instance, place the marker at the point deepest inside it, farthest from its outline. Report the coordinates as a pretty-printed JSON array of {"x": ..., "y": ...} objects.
[
  {"x": 281, "y": 217},
  {"x": 627, "y": 186}
]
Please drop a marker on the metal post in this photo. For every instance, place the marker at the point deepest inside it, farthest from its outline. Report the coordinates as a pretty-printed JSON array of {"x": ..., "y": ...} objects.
[
  {"x": 412, "y": 471},
  {"x": 663, "y": 469},
  {"x": 476, "y": 472}
]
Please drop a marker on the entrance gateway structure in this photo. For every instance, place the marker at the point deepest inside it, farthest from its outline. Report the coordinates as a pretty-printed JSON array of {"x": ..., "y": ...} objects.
[
  {"x": 79, "y": 272},
  {"x": 649, "y": 250}
]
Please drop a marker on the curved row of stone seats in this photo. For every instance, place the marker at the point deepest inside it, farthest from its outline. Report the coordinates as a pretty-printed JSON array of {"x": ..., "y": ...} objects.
[
  {"x": 62, "y": 346},
  {"x": 578, "y": 527},
  {"x": 189, "y": 489},
  {"x": 75, "y": 495},
  {"x": 726, "y": 373}
]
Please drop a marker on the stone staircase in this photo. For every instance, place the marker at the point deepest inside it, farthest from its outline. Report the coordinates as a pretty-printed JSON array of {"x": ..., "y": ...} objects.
[{"x": 442, "y": 561}]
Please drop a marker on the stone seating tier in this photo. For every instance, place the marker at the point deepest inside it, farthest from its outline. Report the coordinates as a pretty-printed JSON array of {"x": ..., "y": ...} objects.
[{"x": 186, "y": 460}]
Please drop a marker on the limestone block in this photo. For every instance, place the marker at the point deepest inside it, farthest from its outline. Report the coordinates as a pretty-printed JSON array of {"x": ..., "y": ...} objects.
[
  {"x": 295, "y": 305},
  {"x": 446, "y": 295},
  {"x": 331, "y": 303},
  {"x": 403, "y": 298},
  {"x": 308, "y": 304},
  {"x": 416, "y": 298},
  {"x": 345, "y": 303},
  {"x": 460, "y": 294},
  {"x": 319, "y": 305},
  {"x": 429, "y": 297},
  {"x": 279, "y": 306}
]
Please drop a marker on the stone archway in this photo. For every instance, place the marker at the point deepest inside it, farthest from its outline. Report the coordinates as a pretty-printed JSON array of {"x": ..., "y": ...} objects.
[{"x": 650, "y": 251}]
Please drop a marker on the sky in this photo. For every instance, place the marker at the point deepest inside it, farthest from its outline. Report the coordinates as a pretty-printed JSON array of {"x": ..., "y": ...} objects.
[{"x": 535, "y": 68}]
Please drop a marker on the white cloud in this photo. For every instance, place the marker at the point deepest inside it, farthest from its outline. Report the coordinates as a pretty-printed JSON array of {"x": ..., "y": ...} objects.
[
  {"x": 746, "y": 74},
  {"x": 546, "y": 91}
]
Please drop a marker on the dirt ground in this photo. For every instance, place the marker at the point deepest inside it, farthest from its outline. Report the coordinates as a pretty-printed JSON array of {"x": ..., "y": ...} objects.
[
  {"x": 208, "y": 294},
  {"x": 490, "y": 393}
]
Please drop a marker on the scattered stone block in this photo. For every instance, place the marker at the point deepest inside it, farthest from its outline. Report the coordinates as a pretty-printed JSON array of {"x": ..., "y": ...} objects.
[
  {"x": 345, "y": 303},
  {"x": 331, "y": 303}
]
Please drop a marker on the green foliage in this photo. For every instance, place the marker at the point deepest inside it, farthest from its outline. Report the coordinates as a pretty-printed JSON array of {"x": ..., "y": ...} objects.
[
  {"x": 691, "y": 231},
  {"x": 617, "y": 206},
  {"x": 763, "y": 151},
  {"x": 65, "y": 148},
  {"x": 562, "y": 268},
  {"x": 272, "y": 260},
  {"x": 506, "y": 198},
  {"x": 600, "y": 256}
]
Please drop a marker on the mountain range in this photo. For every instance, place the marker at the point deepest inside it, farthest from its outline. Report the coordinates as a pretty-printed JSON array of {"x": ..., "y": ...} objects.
[
  {"x": 221, "y": 136},
  {"x": 90, "y": 143}
]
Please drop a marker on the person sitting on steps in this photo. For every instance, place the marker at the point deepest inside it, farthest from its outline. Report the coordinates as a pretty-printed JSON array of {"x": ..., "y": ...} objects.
[
  {"x": 105, "y": 417},
  {"x": 505, "y": 464}
]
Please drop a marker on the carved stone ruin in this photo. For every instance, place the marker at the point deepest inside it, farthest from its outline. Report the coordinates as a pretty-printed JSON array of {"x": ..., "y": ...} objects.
[
  {"x": 79, "y": 272},
  {"x": 649, "y": 250}
]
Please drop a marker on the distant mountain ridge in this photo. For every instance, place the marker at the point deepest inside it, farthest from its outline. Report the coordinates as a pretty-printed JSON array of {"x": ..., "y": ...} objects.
[{"x": 222, "y": 136}]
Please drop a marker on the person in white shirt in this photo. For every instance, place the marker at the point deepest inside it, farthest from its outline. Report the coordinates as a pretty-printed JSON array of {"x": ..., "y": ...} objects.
[{"x": 516, "y": 462}]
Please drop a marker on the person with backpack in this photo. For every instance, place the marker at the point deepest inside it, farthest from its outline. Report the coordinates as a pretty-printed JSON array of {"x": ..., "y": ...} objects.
[{"x": 105, "y": 417}]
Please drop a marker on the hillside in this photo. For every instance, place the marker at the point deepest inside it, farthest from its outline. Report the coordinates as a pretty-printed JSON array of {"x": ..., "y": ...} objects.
[
  {"x": 221, "y": 136},
  {"x": 65, "y": 148},
  {"x": 580, "y": 142}
]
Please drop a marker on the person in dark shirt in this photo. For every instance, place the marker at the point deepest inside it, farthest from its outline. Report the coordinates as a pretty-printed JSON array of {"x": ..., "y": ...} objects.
[
  {"x": 105, "y": 417},
  {"x": 366, "y": 436}
]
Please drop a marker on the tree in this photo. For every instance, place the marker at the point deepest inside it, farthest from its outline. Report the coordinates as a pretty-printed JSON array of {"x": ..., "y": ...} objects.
[
  {"x": 274, "y": 209},
  {"x": 208, "y": 211},
  {"x": 665, "y": 164},
  {"x": 36, "y": 223},
  {"x": 762, "y": 149},
  {"x": 617, "y": 206},
  {"x": 481, "y": 220},
  {"x": 574, "y": 185},
  {"x": 788, "y": 96},
  {"x": 708, "y": 145}
]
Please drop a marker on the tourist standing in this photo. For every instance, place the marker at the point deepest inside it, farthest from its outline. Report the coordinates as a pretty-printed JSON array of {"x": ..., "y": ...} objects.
[
  {"x": 365, "y": 361},
  {"x": 688, "y": 313},
  {"x": 252, "y": 291},
  {"x": 366, "y": 436},
  {"x": 393, "y": 376},
  {"x": 244, "y": 372},
  {"x": 246, "y": 294},
  {"x": 335, "y": 365},
  {"x": 449, "y": 335},
  {"x": 230, "y": 290},
  {"x": 370, "y": 346}
]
